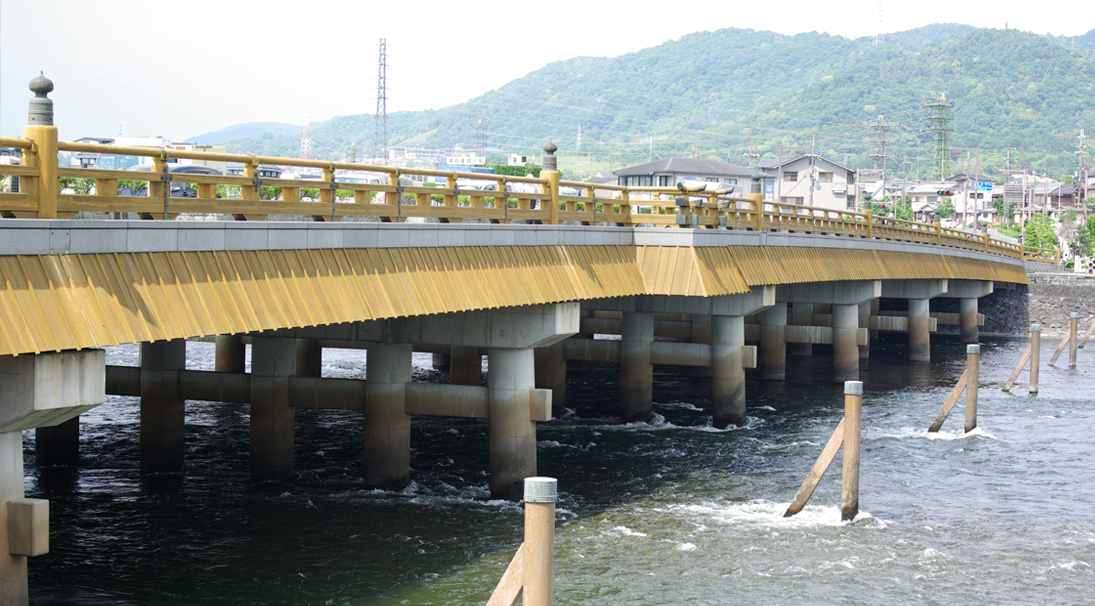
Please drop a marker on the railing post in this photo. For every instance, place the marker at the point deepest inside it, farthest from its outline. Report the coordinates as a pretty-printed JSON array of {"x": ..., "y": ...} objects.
[
  {"x": 551, "y": 173},
  {"x": 973, "y": 362},
  {"x": 938, "y": 227},
  {"x": 41, "y": 130},
  {"x": 849, "y": 491},
  {"x": 985, "y": 237},
  {"x": 540, "y": 496},
  {"x": 392, "y": 198},
  {"x": 1073, "y": 322},
  {"x": 758, "y": 211},
  {"x": 1035, "y": 356},
  {"x": 870, "y": 223},
  {"x": 625, "y": 208}
]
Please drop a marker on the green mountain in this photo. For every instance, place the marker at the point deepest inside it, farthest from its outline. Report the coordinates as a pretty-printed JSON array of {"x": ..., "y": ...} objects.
[
  {"x": 716, "y": 94},
  {"x": 249, "y": 130}
]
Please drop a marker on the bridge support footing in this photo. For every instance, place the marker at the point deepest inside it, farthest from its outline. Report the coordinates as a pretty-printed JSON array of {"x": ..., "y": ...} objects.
[
  {"x": 967, "y": 308},
  {"x": 58, "y": 445},
  {"x": 162, "y": 410},
  {"x": 309, "y": 358},
  {"x": 727, "y": 372},
  {"x": 866, "y": 310},
  {"x": 773, "y": 342},
  {"x": 13, "y": 568},
  {"x": 465, "y": 365},
  {"x": 920, "y": 347},
  {"x": 512, "y": 431},
  {"x": 802, "y": 314},
  {"x": 231, "y": 354},
  {"x": 387, "y": 425},
  {"x": 845, "y": 347},
  {"x": 273, "y": 420},
  {"x": 551, "y": 372},
  {"x": 636, "y": 369}
]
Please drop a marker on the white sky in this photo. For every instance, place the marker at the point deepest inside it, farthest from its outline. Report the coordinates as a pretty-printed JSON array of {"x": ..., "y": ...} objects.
[{"x": 179, "y": 69}]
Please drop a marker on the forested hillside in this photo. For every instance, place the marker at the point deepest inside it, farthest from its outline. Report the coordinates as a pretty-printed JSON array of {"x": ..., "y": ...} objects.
[{"x": 717, "y": 93}]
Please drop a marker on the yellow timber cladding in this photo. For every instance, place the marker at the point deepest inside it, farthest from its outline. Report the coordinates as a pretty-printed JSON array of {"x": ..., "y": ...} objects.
[{"x": 64, "y": 302}]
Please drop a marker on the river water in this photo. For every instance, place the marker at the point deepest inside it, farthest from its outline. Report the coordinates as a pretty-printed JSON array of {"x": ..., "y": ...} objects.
[{"x": 671, "y": 511}]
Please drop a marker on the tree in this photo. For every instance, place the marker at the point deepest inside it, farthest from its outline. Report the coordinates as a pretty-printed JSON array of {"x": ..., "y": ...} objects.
[
  {"x": 1039, "y": 232},
  {"x": 946, "y": 209},
  {"x": 1004, "y": 210},
  {"x": 1084, "y": 241}
]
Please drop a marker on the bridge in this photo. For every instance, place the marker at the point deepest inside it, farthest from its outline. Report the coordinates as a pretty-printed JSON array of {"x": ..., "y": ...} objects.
[{"x": 531, "y": 273}]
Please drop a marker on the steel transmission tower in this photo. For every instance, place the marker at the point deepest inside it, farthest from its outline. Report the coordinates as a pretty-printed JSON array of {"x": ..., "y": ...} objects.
[
  {"x": 880, "y": 125},
  {"x": 938, "y": 123},
  {"x": 380, "y": 133},
  {"x": 305, "y": 142}
]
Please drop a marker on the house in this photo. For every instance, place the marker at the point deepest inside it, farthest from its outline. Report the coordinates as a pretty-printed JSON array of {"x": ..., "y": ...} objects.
[
  {"x": 692, "y": 172},
  {"x": 811, "y": 180}
]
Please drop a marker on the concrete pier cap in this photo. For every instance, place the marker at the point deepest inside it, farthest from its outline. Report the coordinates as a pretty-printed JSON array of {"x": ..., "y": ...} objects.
[
  {"x": 50, "y": 388},
  {"x": 853, "y": 388},
  {"x": 973, "y": 349}
]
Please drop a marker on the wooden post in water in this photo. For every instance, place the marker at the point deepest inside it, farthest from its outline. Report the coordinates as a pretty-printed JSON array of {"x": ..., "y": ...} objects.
[
  {"x": 1073, "y": 323},
  {"x": 973, "y": 361},
  {"x": 532, "y": 570},
  {"x": 849, "y": 492},
  {"x": 1060, "y": 348},
  {"x": 1035, "y": 357},
  {"x": 540, "y": 497},
  {"x": 1087, "y": 335}
]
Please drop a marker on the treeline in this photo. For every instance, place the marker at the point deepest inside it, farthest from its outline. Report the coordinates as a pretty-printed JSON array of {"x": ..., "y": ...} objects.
[{"x": 720, "y": 94}]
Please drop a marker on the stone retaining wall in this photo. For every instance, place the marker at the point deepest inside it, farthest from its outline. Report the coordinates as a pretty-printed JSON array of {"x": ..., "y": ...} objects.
[{"x": 1053, "y": 296}]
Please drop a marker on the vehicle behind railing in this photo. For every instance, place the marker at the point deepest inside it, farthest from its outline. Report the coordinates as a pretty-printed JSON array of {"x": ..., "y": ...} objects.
[{"x": 332, "y": 191}]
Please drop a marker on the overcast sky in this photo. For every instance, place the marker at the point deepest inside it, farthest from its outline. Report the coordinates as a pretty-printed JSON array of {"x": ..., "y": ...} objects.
[{"x": 179, "y": 69}]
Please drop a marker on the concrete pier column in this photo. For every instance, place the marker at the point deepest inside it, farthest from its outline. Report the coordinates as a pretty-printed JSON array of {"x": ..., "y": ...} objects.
[
  {"x": 231, "y": 354},
  {"x": 273, "y": 420},
  {"x": 773, "y": 343},
  {"x": 309, "y": 358},
  {"x": 387, "y": 426},
  {"x": 465, "y": 365},
  {"x": 511, "y": 428},
  {"x": 967, "y": 319},
  {"x": 845, "y": 349},
  {"x": 551, "y": 372},
  {"x": 58, "y": 445},
  {"x": 866, "y": 309},
  {"x": 920, "y": 347},
  {"x": 13, "y": 568},
  {"x": 162, "y": 410},
  {"x": 636, "y": 370},
  {"x": 727, "y": 372},
  {"x": 802, "y": 314}
]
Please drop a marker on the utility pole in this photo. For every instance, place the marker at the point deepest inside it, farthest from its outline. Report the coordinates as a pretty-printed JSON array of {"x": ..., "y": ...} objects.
[
  {"x": 751, "y": 156},
  {"x": 1081, "y": 177},
  {"x": 813, "y": 169},
  {"x": 779, "y": 177}
]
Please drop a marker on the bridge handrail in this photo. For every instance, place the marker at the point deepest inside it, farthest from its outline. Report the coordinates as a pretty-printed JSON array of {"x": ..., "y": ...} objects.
[{"x": 539, "y": 200}]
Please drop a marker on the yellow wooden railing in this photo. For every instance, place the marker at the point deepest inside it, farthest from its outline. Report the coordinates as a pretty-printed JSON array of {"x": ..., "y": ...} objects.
[{"x": 403, "y": 194}]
